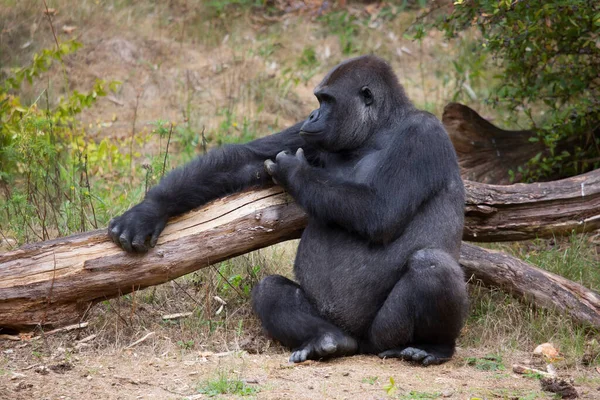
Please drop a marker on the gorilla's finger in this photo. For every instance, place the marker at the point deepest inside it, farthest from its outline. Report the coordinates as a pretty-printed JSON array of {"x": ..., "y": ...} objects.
[
  {"x": 113, "y": 233},
  {"x": 159, "y": 228},
  {"x": 139, "y": 243},
  {"x": 300, "y": 154},
  {"x": 281, "y": 155},
  {"x": 270, "y": 166},
  {"x": 125, "y": 241}
]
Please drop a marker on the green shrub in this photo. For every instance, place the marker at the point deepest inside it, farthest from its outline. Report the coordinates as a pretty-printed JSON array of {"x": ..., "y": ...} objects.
[
  {"x": 46, "y": 160},
  {"x": 549, "y": 57}
]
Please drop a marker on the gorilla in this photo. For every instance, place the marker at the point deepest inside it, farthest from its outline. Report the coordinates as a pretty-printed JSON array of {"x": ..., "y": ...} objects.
[{"x": 376, "y": 267}]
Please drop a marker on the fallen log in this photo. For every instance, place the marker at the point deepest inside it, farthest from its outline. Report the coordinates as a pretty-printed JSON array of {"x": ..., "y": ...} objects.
[
  {"x": 497, "y": 213},
  {"x": 54, "y": 283},
  {"x": 534, "y": 285}
]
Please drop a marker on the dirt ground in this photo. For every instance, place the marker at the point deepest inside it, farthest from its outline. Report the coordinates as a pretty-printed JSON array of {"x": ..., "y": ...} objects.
[{"x": 149, "y": 373}]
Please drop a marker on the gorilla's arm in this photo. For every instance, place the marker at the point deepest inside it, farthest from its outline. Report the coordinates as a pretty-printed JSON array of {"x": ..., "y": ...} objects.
[
  {"x": 222, "y": 171},
  {"x": 414, "y": 168}
]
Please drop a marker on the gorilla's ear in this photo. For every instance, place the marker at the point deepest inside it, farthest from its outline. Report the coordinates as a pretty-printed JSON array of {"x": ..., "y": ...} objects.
[{"x": 365, "y": 92}]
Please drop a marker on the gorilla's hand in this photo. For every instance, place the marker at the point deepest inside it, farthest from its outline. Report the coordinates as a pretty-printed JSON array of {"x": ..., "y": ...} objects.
[
  {"x": 285, "y": 166},
  {"x": 137, "y": 229}
]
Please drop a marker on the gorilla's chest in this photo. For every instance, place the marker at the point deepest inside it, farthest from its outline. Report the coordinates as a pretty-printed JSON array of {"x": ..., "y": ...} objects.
[{"x": 357, "y": 169}]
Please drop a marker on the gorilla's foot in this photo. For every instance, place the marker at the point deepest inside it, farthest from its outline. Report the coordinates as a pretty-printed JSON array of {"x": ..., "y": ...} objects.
[
  {"x": 426, "y": 356},
  {"x": 325, "y": 346}
]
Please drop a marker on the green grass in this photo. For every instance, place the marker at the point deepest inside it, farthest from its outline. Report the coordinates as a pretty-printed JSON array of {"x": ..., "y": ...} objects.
[
  {"x": 225, "y": 384},
  {"x": 573, "y": 257},
  {"x": 491, "y": 362}
]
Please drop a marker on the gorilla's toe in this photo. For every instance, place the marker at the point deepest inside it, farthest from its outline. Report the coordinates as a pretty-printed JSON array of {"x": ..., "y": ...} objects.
[
  {"x": 413, "y": 354},
  {"x": 325, "y": 346},
  {"x": 299, "y": 356}
]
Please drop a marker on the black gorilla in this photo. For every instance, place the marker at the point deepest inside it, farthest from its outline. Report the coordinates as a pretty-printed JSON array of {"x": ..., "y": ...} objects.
[{"x": 377, "y": 264}]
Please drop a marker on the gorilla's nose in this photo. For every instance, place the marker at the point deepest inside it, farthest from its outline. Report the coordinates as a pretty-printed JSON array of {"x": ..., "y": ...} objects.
[{"x": 314, "y": 116}]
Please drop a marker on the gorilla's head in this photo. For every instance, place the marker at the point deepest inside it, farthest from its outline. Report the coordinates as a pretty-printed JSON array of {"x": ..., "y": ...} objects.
[{"x": 356, "y": 98}]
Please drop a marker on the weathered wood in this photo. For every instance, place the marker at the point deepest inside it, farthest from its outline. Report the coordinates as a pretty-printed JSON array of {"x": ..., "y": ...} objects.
[
  {"x": 53, "y": 283},
  {"x": 532, "y": 284},
  {"x": 485, "y": 152},
  {"x": 496, "y": 213}
]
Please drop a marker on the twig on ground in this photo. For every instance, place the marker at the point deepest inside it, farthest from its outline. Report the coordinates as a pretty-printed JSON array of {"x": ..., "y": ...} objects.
[
  {"x": 176, "y": 316},
  {"x": 68, "y": 328},
  {"x": 148, "y": 335},
  {"x": 521, "y": 369}
]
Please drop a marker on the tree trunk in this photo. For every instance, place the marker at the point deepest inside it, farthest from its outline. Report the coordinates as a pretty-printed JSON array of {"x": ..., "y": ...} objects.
[
  {"x": 54, "y": 283},
  {"x": 532, "y": 284},
  {"x": 497, "y": 213}
]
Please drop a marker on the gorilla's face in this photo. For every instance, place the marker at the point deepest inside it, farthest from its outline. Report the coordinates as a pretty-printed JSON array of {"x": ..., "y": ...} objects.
[{"x": 348, "y": 108}]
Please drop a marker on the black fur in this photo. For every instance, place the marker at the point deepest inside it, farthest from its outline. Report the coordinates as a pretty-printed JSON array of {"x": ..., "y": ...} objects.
[{"x": 377, "y": 264}]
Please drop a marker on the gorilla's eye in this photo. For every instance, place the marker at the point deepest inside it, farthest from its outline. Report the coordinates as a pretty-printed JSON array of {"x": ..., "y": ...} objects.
[{"x": 365, "y": 92}]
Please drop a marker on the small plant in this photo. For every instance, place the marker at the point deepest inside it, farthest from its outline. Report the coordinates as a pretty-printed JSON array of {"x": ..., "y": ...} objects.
[
  {"x": 390, "y": 387},
  {"x": 371, "y": 380},
  {"x": 533, "y": 375},
  {"x": 491, "y": 362},
  {"x": 223, "y": 384},
  {"x": 186, "y": 344}
]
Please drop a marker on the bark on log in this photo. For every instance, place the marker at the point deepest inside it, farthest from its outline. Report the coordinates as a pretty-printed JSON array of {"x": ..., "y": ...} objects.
[
  {"x": 532, "y": 284},
  {"x": 485, "y": 152},
  {"x": 54, "y": 283},
  {"x": 497, "y": 213}
]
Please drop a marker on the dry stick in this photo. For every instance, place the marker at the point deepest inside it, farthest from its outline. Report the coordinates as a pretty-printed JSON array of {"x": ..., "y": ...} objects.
[
  {"x": 186, "y": 292},
  {"x": 140, "y": 340},
  {"x": 133, "y": 291},
  {"x": 167, "y": 150},
  {"x": 6, "y": 239},
  {"x": 87, "y": 183},
  {"x": 64, "y": 68},
  {"x": 81, "y": 206},
  {"x": 51, "y": 25},
  {"x": 135, "y": 110},
  {"x": 203, "y": 140},
  {"x": 116, "y": 310},
  {"x": 68, "y": 328},
  {"x": 177, "y": 316},
  {"x": 227, "y": 281}
]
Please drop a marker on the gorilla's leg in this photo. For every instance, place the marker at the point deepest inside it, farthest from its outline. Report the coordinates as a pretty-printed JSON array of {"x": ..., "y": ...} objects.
[
  {"x": 287, "y": 316},
  {"x": 422, "y": 316}
]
